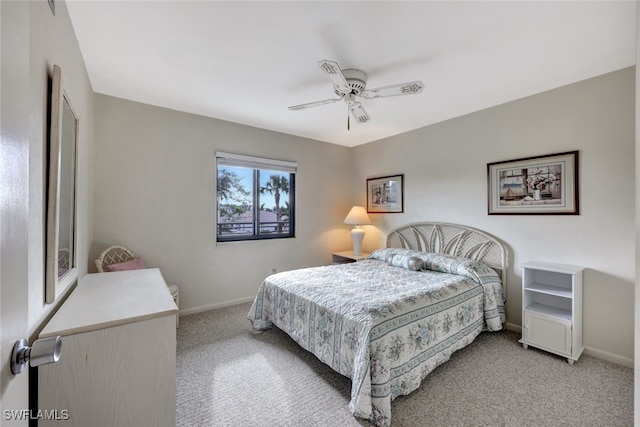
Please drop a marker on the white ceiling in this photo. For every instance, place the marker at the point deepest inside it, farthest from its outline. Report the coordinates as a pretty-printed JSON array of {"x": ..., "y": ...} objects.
[{"x": 246, "y": 62}]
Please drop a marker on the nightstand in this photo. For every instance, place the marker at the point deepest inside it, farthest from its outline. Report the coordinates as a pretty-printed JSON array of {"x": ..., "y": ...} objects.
[
  {"x": 552, "y": 308},
  {"x": 347, "y": 257}
]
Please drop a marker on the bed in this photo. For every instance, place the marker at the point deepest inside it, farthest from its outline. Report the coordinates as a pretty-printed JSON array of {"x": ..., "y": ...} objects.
[{"x": 389, "y": 320}]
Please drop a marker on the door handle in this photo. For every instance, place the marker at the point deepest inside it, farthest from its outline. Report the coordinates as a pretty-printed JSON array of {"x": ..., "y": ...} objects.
[{"x": 46, "y": 350}]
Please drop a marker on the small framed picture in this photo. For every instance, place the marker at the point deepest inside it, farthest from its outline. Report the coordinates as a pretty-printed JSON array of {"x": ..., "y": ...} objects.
[
  {"x": 385, "y": 194},
  {"x": 534, "y": 185}
]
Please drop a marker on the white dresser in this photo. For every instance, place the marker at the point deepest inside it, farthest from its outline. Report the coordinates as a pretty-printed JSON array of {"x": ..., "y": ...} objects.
[{"x": 118, "y": 361}]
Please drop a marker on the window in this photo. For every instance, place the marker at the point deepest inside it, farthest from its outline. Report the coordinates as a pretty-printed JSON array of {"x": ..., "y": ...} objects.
[{"x": 255, "y": 198}]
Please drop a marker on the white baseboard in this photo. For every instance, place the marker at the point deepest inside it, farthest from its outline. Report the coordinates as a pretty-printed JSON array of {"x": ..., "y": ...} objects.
[
  {"x": 202, "y": 308},
  {"x": 609, "y": 357},
  {"x": 513, "y": 327},
  {"x": 591, "y": 351}
]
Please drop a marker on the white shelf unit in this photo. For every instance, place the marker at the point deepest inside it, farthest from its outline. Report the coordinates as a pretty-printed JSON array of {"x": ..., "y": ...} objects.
[{"x": 552, "y": 308}]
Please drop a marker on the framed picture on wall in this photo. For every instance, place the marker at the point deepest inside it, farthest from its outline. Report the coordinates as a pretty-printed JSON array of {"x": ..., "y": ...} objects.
[
  {"x": 534, "y": 185},
  {"x": 385, "y": 194}
]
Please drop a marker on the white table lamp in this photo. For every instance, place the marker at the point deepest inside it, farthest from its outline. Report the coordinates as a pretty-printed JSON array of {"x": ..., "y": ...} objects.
[{"x": 357, "y": 216}]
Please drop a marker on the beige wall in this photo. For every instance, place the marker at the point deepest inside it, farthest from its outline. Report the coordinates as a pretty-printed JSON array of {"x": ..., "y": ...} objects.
[
  {"x": 155, "y": 193},
  {"x": 445, "y": 167}
]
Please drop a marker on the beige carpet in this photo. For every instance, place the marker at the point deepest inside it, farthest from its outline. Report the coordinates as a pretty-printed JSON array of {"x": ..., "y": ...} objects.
[{"x": 230, "y": 376}]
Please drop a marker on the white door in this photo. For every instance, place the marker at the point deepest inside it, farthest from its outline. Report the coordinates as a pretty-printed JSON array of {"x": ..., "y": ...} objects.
[{"x": 14, "y": 202}]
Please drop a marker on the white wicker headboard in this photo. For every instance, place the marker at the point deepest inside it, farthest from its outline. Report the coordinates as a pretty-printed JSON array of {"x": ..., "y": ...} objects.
[{"x": 453, "y": 239}]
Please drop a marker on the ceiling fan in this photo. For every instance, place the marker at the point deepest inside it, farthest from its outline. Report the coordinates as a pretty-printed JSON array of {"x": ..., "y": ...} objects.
[{"x": 350, "y": 83}]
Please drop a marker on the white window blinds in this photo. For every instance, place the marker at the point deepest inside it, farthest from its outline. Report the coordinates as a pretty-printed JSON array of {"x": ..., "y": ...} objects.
[{"x": 228, "y": 159}]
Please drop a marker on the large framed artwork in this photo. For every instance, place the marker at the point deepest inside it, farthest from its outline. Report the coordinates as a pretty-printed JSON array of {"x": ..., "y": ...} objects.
[
  {"x": 534, "y": 185},
  {"x": 385, "y": 194}
]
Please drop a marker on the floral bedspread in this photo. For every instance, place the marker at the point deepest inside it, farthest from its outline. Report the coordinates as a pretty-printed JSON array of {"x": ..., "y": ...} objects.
[{"x": 382, "y": 322}]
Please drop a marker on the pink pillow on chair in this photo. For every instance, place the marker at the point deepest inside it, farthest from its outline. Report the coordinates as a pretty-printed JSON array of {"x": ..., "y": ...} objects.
[{"x": 132, "y": 264}]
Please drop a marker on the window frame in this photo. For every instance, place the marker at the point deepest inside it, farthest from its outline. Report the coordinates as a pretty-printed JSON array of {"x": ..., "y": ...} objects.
[{"x": 258, "y": 164}]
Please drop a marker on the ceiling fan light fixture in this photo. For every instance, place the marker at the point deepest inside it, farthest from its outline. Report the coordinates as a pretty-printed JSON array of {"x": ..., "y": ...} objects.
[
  {"x": 356, "y": 80},
  {"x": 350, "y": 83}
]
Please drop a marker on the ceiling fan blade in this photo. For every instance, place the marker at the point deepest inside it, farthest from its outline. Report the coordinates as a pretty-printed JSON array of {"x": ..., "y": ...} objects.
[
  {"x": 358, "y": 112},
  {"x": 334, "y": 73},
  {"x": 409, "y": 88},
  {"x": 314, "y": 104}
]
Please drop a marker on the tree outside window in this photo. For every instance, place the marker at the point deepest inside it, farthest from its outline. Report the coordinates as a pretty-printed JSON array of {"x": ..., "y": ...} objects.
[{"x": 254, "y": 203}]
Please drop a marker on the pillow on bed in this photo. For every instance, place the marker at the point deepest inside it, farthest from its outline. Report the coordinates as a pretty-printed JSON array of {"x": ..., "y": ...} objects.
[
  {"x": 438, "y": 262},
  {"x": 132, "y": 264},
  {"x": 384, "y": 253},
  {"x": 403, "y": 261},
  {"x": 476, "y": 270},
  {"x": 399, "y": 257}
]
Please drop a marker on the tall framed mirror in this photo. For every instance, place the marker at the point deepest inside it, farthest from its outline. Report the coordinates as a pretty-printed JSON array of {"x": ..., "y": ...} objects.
[{"x": 61, "y": 260}]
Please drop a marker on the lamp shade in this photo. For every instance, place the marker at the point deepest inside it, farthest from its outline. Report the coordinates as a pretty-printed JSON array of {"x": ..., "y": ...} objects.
[{"x": 357, "y": 216}]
